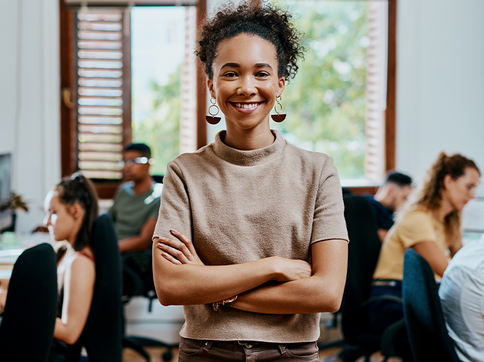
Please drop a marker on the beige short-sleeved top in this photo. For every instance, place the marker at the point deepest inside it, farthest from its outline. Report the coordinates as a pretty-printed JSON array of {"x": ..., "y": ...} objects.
[
  {"x": 415, "y": 227},
  {"x": 239, "y": 206}
]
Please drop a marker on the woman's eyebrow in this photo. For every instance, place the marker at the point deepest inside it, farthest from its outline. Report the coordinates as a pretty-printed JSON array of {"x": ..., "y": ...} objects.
[
  {"x": 262, "y": 65},
  {"x": 236, "y": 65},
  {"x": 233, "y": 65}
]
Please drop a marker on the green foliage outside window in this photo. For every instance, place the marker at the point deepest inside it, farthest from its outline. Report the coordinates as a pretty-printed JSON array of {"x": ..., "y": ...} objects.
[
  {"x": 326, "y": 102},
  {"x": 161, "y": 129}
]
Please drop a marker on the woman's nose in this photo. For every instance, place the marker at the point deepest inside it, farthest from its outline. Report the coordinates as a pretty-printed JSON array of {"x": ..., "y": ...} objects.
[
  {"x": 47, "y": 220},
  {"x": 246, "y": 86}
]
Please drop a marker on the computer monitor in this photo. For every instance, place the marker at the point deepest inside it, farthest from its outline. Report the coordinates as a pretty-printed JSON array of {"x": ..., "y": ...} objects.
[{"x": 5, "y": 190}]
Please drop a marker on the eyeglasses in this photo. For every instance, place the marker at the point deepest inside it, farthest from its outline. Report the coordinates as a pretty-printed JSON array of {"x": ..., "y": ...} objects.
[{"x": 136, "y": 161}]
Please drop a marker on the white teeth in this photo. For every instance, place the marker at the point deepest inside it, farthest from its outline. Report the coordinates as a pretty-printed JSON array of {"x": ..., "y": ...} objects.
[{"x": 246, "y": 105}]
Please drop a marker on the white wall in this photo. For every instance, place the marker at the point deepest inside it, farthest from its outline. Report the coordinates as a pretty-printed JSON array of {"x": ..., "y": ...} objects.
[
  {"x": 29, "y": 101},
  {"x": 440, "y": 82}
]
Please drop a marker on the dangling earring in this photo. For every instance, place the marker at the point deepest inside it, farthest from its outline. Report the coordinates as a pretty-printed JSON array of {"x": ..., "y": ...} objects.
[
  {"x": 278, "y": 117},
  {"x": 212, "y": 119}
]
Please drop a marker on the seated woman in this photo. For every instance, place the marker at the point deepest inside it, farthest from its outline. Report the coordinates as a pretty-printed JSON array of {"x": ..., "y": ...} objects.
[
  {"x": 71, "y": 208},
  {"x": 431, "y": 225}
]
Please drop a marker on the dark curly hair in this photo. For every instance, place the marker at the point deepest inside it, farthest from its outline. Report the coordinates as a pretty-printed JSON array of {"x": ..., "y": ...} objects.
[{"x": 268, "y": 22}]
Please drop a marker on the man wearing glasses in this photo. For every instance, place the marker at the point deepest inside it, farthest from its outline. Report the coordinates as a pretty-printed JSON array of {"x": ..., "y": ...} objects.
[{"x": 137, "y": 201}]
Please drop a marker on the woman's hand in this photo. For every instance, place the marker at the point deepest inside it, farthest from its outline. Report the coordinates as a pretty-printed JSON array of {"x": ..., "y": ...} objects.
[
  {"x": 180, "y": 250},
  {"x": 291, "y": 269}
]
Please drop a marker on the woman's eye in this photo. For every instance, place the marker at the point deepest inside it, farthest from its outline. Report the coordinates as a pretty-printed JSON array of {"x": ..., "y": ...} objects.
[
  {"x": 262, "y": 74},
  {"x": 230, "y": 74}
]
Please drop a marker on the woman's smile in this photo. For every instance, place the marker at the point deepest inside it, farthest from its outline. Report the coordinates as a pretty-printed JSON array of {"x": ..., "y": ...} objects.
[{"x": 245, "y": 107}]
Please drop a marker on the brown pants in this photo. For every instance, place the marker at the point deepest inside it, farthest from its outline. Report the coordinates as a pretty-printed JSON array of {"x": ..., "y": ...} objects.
[{"x": 207, "y": 351}]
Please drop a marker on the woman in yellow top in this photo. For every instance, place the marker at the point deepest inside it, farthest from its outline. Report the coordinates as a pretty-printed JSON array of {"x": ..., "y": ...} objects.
[{"x": 431, "y": 225}]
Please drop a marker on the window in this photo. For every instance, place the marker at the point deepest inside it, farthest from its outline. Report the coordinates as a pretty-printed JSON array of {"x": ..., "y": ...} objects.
[
  {"x": 163, "y": 81},
  {"x": 338, "y": 98},
  {"x": 103, "y": 110},
  {"x": 365, "y": 124}
]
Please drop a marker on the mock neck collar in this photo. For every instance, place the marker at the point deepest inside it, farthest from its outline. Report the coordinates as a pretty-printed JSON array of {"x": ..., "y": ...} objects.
[{"x": 250, "y": 157}]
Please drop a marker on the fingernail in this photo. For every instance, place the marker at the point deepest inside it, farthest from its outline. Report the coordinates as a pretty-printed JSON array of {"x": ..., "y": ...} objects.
[{"x": 173, "y": 231}]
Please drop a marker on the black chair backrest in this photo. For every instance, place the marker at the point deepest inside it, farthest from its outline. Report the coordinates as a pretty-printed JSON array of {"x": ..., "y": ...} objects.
[
  {"x": 426, "y": 328},
  {"x": 103, "y": 331},
  {"x": 138, "y": 273},
  {"x": 158, "y": 178},
  {"x": 363, "y": 251},
  {"x": 28, "y": 323}
]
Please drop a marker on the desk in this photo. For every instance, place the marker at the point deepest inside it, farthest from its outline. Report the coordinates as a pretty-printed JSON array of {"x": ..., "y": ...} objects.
[{"x": 9, "y": 255}]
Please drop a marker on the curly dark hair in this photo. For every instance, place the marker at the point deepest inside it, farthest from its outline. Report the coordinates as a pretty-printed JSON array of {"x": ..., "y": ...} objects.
[{"x": 268, "y": 22}]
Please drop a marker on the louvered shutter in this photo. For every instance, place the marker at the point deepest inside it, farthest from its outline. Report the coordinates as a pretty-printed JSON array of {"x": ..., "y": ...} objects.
[
  {"x": 103, "y": 85},
  {"x": 376, "y": 90},
  {"x": 75, "y": 4},
  {"x": 188, "y": 118}
]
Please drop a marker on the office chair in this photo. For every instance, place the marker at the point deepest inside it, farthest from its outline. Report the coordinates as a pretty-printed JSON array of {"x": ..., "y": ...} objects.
[
  {"x": 27, "y": 328},
  {"x": 138, "y": 281},
  {"x": 158, "y": 178},
  {"x": 427, "y": 331},
  {"x": 363, "y": 252},
  {"x": 102, "y": 333}
]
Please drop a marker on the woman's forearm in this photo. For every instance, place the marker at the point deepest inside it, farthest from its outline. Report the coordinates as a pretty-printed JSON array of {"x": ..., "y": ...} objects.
[
  {"x": 310, "y": 295},
  {"x": 322, "y": 292},
  {"x": 197, "y": 284}
]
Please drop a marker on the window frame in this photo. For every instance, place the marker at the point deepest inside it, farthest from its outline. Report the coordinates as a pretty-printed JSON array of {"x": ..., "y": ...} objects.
[{"x": 69, "y": 99}]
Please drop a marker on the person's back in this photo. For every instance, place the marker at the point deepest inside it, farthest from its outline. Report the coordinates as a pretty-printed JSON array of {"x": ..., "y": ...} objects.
[{"x": 462, "y": 296}]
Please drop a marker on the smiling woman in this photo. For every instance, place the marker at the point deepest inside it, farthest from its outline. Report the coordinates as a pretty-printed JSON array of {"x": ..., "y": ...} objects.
[
  {"x": 250, "y": 237},
  {"x": 245, "y": 88}
]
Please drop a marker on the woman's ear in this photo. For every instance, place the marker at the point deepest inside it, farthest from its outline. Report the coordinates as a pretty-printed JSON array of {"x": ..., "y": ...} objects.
[
  {"x": 281, "y": 85},
  {"x": 210, "y": 88},
  {"x": 76, "y": 211},
  {"x": 448, "y": 181}
]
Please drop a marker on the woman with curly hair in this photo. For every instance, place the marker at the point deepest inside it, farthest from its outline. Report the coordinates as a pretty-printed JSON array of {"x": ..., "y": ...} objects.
[
  {"x": 431, "y": 225},
  {"x": 251, "y": 237}
]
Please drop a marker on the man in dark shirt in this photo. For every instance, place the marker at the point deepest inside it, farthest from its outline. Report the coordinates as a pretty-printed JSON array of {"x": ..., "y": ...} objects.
[{"x": 388, "y": 199}]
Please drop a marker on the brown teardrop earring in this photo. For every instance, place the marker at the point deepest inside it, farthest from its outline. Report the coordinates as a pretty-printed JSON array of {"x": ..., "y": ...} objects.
[
  {"x": 278, "y": 117},
  {"x": 212, "y": 119}
]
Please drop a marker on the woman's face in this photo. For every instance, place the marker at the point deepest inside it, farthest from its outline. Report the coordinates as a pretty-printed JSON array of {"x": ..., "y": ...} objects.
[
  {"x": 245, "y": 81},
  {"x": 463, "y": 189},
  {"x": 62, "y": 224}
]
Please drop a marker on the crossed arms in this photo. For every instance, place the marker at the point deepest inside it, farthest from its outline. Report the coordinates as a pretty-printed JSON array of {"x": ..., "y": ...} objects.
[{"x": 272, "y": 285}]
